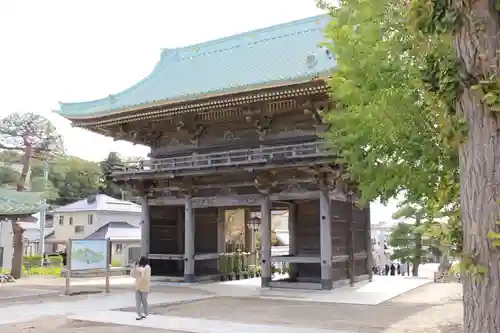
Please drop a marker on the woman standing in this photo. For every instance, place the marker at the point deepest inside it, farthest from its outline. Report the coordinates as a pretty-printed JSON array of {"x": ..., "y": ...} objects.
[{"x": 142, "y": 274}]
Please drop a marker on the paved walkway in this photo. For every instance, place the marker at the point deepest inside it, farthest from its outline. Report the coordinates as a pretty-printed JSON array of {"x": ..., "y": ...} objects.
[
  {"x": 381, "y": 289},
  {"x": 192, "y": 325},
  {"x": 11, "y": 314}
]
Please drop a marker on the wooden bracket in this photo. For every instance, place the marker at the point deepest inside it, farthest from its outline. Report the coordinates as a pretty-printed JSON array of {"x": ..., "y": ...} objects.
[
  {"x": 265, "y": 181},
  {"x": 317, "y": 110},
  {"x": 192, "y": 132},
  {"x": 260, "y": 121},
  {"x": 187, "y": 186}
]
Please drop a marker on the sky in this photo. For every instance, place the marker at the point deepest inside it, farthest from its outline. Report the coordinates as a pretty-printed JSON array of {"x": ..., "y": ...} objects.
[{"x": 72, "y": 51}]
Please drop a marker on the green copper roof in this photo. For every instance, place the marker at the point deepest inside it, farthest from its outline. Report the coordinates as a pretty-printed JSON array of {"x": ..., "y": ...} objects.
[
  {"x": 282, "y": 53},
  {"x": 13, "y": 203}
]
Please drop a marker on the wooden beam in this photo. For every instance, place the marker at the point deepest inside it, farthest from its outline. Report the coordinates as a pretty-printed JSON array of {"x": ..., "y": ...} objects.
[
  {"x": 238, "y": 200},
  {"x": 290, "y": 181},
  {"x": 368, "y": 240},
  {"x": 155, "y": 175},
  {"x": 350, "y": 243}
]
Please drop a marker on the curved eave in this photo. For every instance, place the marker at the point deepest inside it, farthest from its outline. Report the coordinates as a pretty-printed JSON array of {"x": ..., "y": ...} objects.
[{"x": 190, "y": 98}]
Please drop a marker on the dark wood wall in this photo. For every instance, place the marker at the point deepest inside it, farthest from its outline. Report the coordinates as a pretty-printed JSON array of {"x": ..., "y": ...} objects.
[
  {"x": 205, "y": 240},
  {"x": 308, "y": 238},
  {"x": 164, "y": 235},
  {"x": 167, "y": 237},
  {"x": 164, "y": 239}
]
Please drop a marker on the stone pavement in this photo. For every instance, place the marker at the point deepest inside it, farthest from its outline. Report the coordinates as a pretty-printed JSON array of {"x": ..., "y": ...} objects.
[
  {"x": 192, "y": 325},
  {"x": 14, "y": 291},
  {"x": 89, "y": 303},
  {"x": 381, "y": 289},
  {"x": 241, "y": 306}
]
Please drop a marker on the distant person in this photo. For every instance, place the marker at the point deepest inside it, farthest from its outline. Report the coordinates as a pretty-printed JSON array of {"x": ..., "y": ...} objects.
[
  {"x": 393, "y": 270},
  {"x": 142, "y": 274},
  {"x": 398, "y": 268},
  {"x": 386, "y": 269},
  {"x": 64, "y": 256}
]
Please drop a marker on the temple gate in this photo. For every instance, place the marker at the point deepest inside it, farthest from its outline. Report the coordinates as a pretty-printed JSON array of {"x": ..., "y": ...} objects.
[{"x": 236, "y": 123}]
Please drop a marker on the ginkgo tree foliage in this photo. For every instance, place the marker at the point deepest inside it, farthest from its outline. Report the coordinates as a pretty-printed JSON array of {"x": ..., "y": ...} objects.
[
  {"x": 417, "y": 88},
  {"x": 384, "y": 125}
]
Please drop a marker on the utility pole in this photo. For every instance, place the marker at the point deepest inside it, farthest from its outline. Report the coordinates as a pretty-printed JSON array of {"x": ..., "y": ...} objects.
[
  {"x": 43, "y": 211},
  {"x": 1, "y": 241}
]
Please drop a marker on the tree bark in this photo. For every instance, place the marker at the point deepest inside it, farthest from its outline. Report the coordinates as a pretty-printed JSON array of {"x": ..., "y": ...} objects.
[
  {"x": 18, "y": 255},
  {"x": 28, "y": 154},
  {"x": 476, "y": 44},
  {"x": 17, "y": 231}
]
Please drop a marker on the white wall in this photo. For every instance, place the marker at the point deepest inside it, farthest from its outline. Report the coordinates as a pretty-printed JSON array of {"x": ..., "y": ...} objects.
[
  {"x": 6, "y": 243},
  {"x": 67, "y": 231}
]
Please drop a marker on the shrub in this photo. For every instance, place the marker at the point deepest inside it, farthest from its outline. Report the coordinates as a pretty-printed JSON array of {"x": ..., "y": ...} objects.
[
  {"x": 116, "y": 263},
  {"x": 230, "y": 263},
  {"x": 237, "y": 263},
  {"x": 33, "y": 261},
  {"x": 46, "y": 271},
  {"x": 55, "y": 261},
  {"x": 223, "y": 261}
]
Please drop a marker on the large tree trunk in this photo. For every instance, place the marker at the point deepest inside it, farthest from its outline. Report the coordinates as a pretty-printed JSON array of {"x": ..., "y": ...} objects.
[
  {"x": 18, "y": 244},
  {"x": 477, "y": 45},
  {"x": 17, "y": 231},
  {"x": 28, "y": 152}
]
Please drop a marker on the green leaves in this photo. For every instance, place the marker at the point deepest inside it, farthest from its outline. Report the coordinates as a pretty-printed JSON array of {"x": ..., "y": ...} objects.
[{"x": 388, "y": 131}]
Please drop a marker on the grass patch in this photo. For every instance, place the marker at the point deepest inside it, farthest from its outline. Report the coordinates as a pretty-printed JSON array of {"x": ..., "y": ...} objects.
[{"x": 44, "y": 271}]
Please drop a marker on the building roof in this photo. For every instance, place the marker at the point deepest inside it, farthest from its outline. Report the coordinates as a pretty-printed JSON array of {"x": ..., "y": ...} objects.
[
  {"x": 14, "y": 203},
  {"x": 32, "y": 234},
  {"x": 100, "y": 202},
  {"x": 284, "y": 53},
  {"x": 117, "y": 231}
]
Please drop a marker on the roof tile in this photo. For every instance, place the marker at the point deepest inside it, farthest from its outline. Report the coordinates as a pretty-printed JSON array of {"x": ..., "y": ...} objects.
[{"x": 279, "y": 53}]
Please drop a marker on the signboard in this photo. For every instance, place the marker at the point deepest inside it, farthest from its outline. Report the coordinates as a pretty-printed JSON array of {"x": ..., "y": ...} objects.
[{"x": 88, "y": 254}]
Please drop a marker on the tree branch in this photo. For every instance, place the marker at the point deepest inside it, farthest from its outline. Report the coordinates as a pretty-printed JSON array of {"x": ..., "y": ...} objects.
[{"x": 4, "y": 147}]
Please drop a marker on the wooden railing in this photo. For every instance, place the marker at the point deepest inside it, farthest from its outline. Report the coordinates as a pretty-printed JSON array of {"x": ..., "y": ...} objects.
[{"x": 239, "y": 157}]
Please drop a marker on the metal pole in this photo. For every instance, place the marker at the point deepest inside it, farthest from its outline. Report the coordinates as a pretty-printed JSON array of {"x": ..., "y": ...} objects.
[
  {"x": 108, "y": 264},
  {"x": 1, "y": 241},
  {"x": 68, "y": 268},
  {"x": 43, "y": 211}
]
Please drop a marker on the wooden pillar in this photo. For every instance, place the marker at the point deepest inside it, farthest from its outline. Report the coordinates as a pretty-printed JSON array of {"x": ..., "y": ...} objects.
[
  {"x": 292, "y": 234},
  {"x": 248, "y": 233},
  {"x": 221, "y": 234},
  {"x": 350, "y": 242},
  {"x": 145, "y": 226},
  {"x": 325, "y": 238},
  {"x": 180, "y": 237},
  {"x": 189, "y": 229},
  {"x": 265, "y": 240},
  {"x": 368, "y": 239},
  {"x": 250, "y": 245}
]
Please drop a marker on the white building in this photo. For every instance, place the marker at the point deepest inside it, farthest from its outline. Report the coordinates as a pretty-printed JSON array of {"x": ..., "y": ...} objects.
[
  {"x": 82, "y": 218},
  {"x": 380, "y": 250}
]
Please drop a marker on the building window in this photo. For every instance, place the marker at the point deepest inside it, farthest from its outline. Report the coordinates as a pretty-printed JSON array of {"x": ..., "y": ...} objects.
[
  {"x": 91, "y": 219},
  {"x": 119, "y": 248},
  {"x": 70, "y": 221},
  {"x": 61, "y": 220},
  {"x": 79, "y": 229}
]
